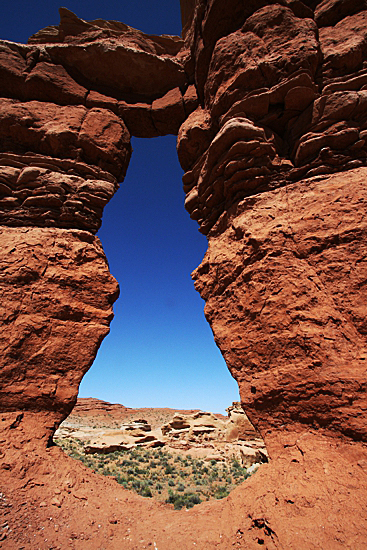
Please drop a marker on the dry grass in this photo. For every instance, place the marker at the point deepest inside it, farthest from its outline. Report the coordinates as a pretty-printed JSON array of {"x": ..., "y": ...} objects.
[{"x": 178, "y": 479}]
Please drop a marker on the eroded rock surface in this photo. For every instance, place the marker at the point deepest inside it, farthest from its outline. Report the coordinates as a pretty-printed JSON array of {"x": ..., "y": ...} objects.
[
  {"x": 200, "y": 434},
  {"x": 275, "y": 167},
  {"x": 281, "y": 100},
  {"x": 269, "y": 102},
  {"x": 66, "y": 116},
  {"x": 57, "y": 295}
]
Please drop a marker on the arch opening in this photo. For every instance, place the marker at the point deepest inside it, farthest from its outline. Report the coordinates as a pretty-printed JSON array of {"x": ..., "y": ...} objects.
[
  {"x": 160, "y": 351},
  {"x": 159, "y": 366}
]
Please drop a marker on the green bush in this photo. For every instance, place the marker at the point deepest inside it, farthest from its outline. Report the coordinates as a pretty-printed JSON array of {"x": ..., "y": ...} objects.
[
  {"x": 152, "y": 473},
  {"x": 221, "y": 492},
  {"x": 145, "y": 492},
  {"x": 179, "y": 501}
]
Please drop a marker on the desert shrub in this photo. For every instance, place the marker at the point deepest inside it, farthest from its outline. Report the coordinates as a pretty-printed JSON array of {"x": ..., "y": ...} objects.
[
  {"x": 156, "y": 471},
  {"x": 221, "y": 492},
  {"x": 179, "y": 501},
  {"x": 140, "y": 471},
  {"x": 145, "y": 492},
  {"x": 241, "y": 472},
  {"x": 121, "y": 479}
]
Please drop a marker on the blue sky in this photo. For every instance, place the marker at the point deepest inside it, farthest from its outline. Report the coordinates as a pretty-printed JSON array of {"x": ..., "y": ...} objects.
[{"x": 160, "y": 351}]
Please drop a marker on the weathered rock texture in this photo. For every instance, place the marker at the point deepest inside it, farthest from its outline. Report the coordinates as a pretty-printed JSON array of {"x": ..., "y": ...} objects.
[
  {"x": 269, "y": 102},
  {"x": 275, "y": 168},
  {"x": 105, "y": 428},
  {"x": 57, "y": 295},
  {"x": 299, "y": 298},
  {"x": 66, "y": 116},
  {"x": 281, "y": 100}
]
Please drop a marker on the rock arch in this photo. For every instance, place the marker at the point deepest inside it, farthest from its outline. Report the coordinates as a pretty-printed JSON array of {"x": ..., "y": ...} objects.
[{"x": 269, "y": 104}]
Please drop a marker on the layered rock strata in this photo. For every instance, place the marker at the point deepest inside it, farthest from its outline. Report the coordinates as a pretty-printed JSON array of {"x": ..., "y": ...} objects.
[
  {"x": 275, "y": 160},
  {"x": 283, "y": 97},
  {"x": 200, "y": 434},
  {"x": 275, "y": 170},
  {"x": 69, "y": 102}
]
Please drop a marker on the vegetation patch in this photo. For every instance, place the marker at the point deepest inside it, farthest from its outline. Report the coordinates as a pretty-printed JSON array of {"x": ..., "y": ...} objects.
[{"x": 169, "y": 477}]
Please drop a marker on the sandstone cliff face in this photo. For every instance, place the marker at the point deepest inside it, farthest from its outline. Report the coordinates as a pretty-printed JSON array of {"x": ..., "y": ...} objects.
[
  {"x": 105, "y": 428},
  {"x": 269, "y": 102},
  {"x": 65, "y": 125},
  {"x": 281, "y": 100},
  {"x": 290, "y": 263},
  {"x": 57, "y": 295},
  {"x": 282, "y": 117},
  {"x": 275, "y": 166}
]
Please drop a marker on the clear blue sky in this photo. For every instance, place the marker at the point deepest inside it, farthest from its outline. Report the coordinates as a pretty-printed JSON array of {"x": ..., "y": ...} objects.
[{"x": 160, "y": 351}]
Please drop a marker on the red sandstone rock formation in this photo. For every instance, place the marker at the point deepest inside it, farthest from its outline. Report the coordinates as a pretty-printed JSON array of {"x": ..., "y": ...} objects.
[
  {"x": 274, "y": 156},
  {"x": 283, "y": 108},
  {"x": 64, "y": 147}
]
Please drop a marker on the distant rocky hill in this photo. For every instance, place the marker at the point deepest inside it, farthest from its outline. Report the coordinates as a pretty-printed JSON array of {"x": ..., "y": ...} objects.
[
  {"x": 91, "y": 411},
  {"x": 104, "y": 427}
]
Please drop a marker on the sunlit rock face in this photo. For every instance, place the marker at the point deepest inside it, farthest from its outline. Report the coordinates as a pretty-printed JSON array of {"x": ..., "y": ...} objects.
[
  {"x": 57, "y": 296},
  {"x": 275, "y": 170},
  {"x": 269, "y": 102},
  {"x": 275, "y": 161},
  {"x": 281, "y": 99},
  {"x": 69, "y": 101}
]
